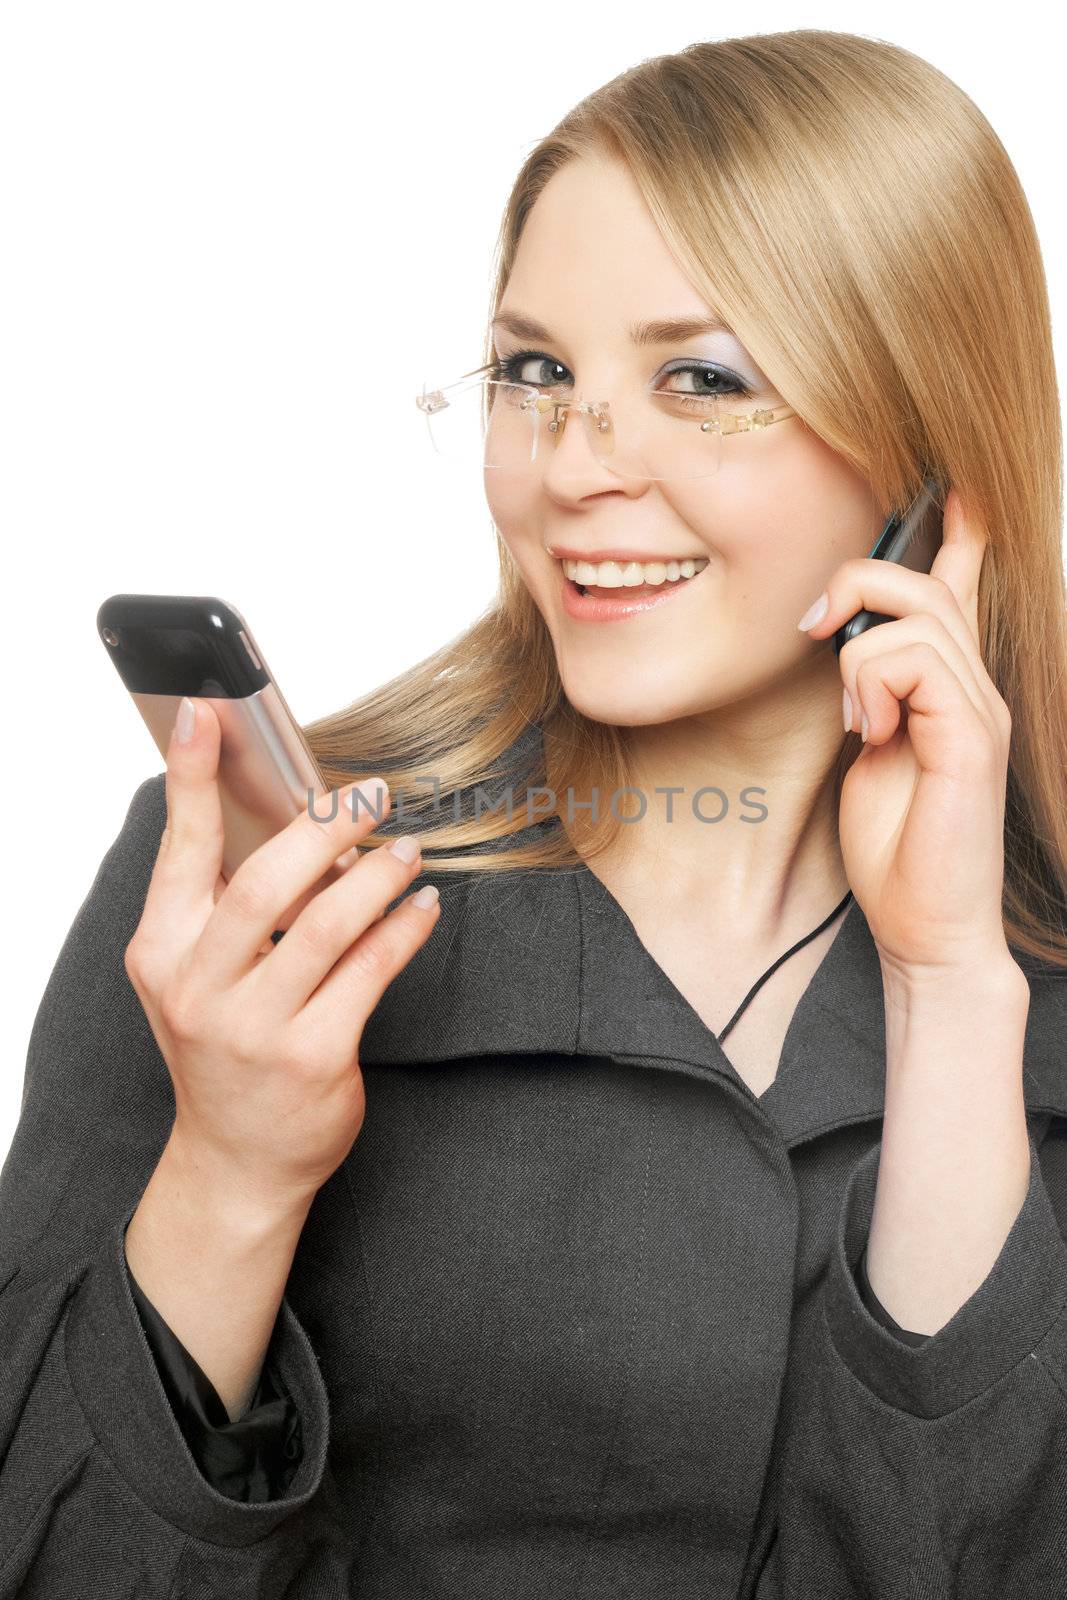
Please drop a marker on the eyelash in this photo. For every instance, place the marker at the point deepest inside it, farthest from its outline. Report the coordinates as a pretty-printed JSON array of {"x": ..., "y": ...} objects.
[{"x": 507, "y": 370}]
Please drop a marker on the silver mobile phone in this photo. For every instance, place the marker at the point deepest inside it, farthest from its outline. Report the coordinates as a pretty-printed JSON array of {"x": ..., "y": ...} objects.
[{"x": 165, "y": 646}]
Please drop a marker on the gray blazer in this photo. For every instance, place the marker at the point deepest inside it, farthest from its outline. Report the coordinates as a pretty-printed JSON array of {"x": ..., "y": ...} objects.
[{"x": 576, "y": 1318}]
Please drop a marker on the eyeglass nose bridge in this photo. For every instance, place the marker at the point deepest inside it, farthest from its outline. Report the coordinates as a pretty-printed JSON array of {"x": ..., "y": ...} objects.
[{"x": 597, "y": 413}]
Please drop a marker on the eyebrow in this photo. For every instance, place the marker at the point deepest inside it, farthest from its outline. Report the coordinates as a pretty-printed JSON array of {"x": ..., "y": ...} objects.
[{"x": 667, "y": 330}]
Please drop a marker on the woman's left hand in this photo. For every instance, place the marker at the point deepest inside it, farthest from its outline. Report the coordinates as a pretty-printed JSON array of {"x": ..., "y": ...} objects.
[{"x": 922, "y": 807}]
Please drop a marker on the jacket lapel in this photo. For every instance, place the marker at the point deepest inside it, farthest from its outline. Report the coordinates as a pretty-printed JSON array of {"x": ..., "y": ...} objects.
[{"x": 547, "y": 962}]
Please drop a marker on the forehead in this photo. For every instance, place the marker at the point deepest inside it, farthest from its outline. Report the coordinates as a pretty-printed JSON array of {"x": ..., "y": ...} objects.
[{"x": 591, "y": 256}]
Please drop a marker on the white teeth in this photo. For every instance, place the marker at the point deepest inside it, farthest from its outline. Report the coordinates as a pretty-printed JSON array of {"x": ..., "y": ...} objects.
[{"x": 630, "y": 574}]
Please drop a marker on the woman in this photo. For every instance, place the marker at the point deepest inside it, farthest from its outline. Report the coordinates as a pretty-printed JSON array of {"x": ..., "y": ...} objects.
[{"x": 544, "y": 1263}]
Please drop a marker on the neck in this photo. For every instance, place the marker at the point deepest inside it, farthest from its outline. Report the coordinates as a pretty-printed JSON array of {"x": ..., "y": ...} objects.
[{"x": 781, "y": 869}]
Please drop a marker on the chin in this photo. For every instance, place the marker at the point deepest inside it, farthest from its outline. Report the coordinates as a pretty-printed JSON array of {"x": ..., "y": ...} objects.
[{"x": 622, "y": 705}]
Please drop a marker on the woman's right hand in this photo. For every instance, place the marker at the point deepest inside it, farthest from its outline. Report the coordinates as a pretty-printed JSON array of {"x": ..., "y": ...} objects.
[{"x": 263, "y": 1048}]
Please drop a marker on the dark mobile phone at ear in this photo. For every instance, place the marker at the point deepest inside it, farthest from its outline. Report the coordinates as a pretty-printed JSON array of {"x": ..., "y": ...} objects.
[
  {"x": 912, "y": 538},
  {"x": 165, "y": 646}
]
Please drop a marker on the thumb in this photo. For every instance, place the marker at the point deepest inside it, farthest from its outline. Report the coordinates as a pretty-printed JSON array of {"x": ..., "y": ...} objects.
[{"x": 190, "y": 855}]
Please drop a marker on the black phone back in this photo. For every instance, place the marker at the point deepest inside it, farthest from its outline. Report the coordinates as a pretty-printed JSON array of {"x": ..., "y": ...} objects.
[{"x": 912, "y": 538}]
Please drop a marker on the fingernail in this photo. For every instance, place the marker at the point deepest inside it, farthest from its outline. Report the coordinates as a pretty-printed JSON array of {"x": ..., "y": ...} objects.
[
  {"x": 815, "y": 612},
  {"x": 425, "y": 897},
  {"x": 366, "y": 794},
  {"x": 406, "y": 847},
  {"x": 847, "y": 706},
  {"x": 185, "y": 722}
]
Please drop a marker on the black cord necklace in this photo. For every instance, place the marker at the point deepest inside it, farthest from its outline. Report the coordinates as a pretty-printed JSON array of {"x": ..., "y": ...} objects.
[{"x": 800, "y": 942}]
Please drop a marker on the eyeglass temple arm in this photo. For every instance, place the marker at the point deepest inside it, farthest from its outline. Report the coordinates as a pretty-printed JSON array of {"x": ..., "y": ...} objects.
[{"x": 431, "y": 400}]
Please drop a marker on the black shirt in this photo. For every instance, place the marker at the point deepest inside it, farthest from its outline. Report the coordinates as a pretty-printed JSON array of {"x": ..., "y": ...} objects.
[{"x": 251, "y": 1458}]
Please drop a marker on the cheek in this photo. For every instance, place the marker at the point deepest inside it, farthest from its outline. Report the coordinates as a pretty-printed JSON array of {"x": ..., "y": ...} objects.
[
  {"x": 824, "y": 509},
  {"x": 756, "y": 551},
  {"x": 512, "y": 503},
  {"x": 514, "y": 510},
  {"x": 778, "y": 534}
]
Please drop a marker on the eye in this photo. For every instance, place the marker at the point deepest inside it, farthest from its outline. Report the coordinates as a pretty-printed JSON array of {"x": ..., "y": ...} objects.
[
  {"x": 708, "y": 381},
  {"x": 513, "y": 369},
  {"x": 702, "y": 379}
]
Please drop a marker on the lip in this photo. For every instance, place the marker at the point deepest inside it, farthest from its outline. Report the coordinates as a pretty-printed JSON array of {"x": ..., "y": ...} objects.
[
  {"x": 586, "y": 608},
  {"x": 561, "y": 553}
]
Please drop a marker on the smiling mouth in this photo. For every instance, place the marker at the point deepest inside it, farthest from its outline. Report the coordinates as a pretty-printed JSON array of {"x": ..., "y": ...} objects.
[{"x": 610, "y": 580}]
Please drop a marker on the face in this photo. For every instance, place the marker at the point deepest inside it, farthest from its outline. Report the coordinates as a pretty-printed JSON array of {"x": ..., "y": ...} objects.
[{"x": 781, "y": 511}]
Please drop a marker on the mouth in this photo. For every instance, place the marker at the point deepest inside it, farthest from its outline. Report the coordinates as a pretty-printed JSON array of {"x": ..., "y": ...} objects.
[{"x": 609, "y": 590}]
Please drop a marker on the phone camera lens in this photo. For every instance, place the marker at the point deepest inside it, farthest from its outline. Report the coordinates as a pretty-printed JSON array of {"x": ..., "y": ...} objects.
[{"x": 109, "y": 636}]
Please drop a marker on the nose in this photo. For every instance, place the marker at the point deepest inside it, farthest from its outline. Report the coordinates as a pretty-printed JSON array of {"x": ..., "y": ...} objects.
[{"x": 572, "y": 471}]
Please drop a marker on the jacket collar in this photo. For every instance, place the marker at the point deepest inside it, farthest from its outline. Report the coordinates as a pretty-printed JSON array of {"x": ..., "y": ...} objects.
[{"x": 547, "y": 962}]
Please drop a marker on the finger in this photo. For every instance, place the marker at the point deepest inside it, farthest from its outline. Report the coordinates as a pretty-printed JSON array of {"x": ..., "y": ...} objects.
[
  {"x": 863, "y": 584},
  {"x": 361, "y": 977},
  {"x": 958, "y": 563},
  {"x": 332, "y": 921},
  {"x": 190, "y": 853},
  {"x": 946, "y": 732},
  {"x": 914, "y": 629},
  {"x": 268, "y": 881}
]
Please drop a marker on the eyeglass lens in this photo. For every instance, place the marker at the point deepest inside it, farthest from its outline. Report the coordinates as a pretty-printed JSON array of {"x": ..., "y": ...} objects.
[{"x": 657, "y": 434}]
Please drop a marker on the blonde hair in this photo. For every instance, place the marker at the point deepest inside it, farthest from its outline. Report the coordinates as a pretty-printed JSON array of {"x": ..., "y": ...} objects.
[{"x": 854, "y": 218}]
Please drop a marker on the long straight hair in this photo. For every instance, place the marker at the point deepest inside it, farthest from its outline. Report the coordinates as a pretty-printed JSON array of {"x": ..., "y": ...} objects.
[{"x": 854, "y": 218}]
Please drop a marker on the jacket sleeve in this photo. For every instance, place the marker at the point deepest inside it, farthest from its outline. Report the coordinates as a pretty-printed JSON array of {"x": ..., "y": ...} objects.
[
  {"x": 99, "y": 1491},
  {"x": 938, "y": 1469},
  {"x": 254, "y": 1457}
]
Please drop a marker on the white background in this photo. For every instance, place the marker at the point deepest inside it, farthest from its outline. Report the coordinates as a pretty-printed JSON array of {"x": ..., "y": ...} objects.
[{"x": 236, "y": 239}]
